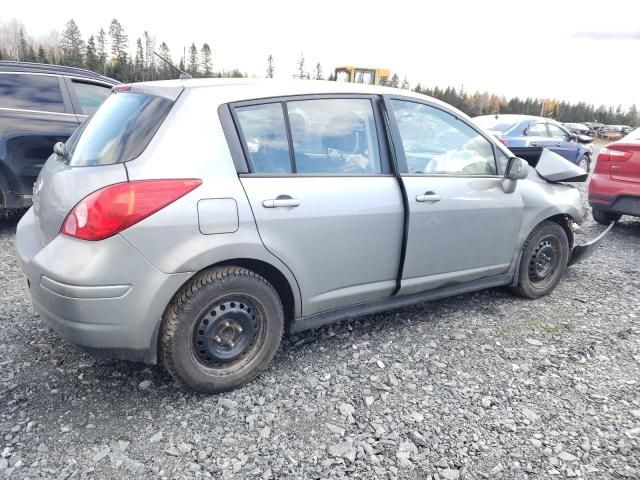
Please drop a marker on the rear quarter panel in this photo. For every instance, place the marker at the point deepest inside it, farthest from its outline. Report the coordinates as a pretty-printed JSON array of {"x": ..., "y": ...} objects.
[{"x": 191, "y": 144}]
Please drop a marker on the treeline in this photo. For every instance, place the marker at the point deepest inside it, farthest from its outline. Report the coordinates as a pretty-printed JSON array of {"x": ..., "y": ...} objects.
[
  {"x": 107, "y": 52},
  {"x": 487, "y": 104}
]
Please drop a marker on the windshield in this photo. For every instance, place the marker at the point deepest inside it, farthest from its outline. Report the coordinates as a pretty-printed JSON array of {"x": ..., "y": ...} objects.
[
  {"x": 119, "y": 131},
  {"x": 499, "y": 124}
]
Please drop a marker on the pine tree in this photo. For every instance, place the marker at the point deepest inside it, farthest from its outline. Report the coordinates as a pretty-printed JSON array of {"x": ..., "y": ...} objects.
[
  {"x": 301, "y": 73},
  {"x": 332, "y": 77},
  {"x": 149, "y": 57},
  {"x": 192, "y": 65},
  {"x": 270, "y": 66},
  {"x": 165, "y": 70},
  {"x": 405, "y": 84},
  {"x": 138, "y": 65},
  {"x": 72, "y": 45},
  {"x": 207, "y": 62},
  {"x": 42, "y": 56},
  {"x": 121, "y": 65},
  {"x": 23, "y": 47},
  {"x": 101, "y": 49},
  {"x": 91, "y": 57},
  {"x": 395, "y": 81},
  {"x": 181, "y": 64},
  {"x": 318, "y": 72}
]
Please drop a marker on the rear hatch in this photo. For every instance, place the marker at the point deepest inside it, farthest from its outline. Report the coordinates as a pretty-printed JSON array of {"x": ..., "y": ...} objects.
[{"x": 96, "y": 153}]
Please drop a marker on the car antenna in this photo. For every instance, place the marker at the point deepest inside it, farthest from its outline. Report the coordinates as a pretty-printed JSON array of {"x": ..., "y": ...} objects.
[{"x": 183, "y": 75}]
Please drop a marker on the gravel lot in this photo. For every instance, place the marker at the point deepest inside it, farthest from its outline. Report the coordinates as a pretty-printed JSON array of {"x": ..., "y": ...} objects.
[{"x": 483, "y": 385}]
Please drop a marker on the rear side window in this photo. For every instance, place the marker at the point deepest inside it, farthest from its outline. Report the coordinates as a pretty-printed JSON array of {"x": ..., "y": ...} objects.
[
  {"x": 90, "y": 95},
  {"x": 328, "y": 136},
  {"x": 119, "y": 131},
  {"x": 265, "y": 136},
  {"x": 537, "y": 130},
  {"x": 31, "y": 92}
]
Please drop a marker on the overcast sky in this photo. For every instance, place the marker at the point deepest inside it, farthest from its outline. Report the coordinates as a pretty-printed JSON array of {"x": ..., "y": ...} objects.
[{"x": 573, "y": 50}]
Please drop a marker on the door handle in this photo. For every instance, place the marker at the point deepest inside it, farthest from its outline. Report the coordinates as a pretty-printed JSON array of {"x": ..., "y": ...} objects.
[
  {"x": 281, "y": 202},
  {"x": 558, "y": 144},
  {"x": 428, "y": 197}
]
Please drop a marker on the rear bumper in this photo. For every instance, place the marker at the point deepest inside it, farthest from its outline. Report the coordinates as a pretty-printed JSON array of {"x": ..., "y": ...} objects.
[
  {"x": 609, "y": 195},
  {"x": 103, "y": 296}
]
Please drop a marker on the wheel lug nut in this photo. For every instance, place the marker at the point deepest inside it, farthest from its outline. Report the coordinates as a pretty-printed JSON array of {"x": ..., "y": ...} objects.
[
  {"x": 238, "y": 329},
  {"x": 218, "y": 339},
  {"x": 225, "y": 324},
  {"x": 230, "y": 344}
]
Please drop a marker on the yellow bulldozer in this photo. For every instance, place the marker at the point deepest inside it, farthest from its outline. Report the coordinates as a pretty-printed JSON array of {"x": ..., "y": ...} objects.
[{"x": 368, "y": 76}]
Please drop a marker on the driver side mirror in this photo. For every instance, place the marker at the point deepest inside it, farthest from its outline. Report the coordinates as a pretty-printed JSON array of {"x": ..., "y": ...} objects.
[{"x": 516, "y": 169}]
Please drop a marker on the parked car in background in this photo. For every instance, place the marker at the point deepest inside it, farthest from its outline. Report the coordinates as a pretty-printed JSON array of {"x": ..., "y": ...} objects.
[
  {"x": 40, "y": 105},
  {"x": 615, "y": 185},
  {"x": 530, "y": 131},
  {"x": 580, "y": 129},
  {"x": 612, "y": 132},
  {"x": 221, "y": 214}
]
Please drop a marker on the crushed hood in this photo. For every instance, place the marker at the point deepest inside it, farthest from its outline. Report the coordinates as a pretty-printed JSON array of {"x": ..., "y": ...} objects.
[{"x": 551, "y": 166}]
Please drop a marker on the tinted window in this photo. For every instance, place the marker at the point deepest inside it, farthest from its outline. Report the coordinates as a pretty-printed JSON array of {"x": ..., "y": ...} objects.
[
  {"x": 334, "y": 136},
  {"x": 265, "y": 136},
  {"x": 557, "y": 132},
  {"x": 537, "y": 130},
  {"x": 90, "y": 96},
  {"x": 436, "y": 142},
  {"x": 495, "y": 124},
  {"x": 119, "y": 131},
  {"x": 31, "y": 92}
]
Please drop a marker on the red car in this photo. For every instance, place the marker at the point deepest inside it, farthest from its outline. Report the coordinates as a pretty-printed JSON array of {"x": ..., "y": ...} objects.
[{"x": 615, "y": 185}]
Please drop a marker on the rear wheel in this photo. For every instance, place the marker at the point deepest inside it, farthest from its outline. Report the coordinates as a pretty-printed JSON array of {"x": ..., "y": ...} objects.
[
  {"x": 544, "y": 260},
  {"x": 221, "y": 330},
  {"x": 604, "y": 218}
]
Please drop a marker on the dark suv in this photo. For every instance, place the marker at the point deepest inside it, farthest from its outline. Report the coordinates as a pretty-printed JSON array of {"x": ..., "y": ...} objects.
[{"x": 39, "y": 106}]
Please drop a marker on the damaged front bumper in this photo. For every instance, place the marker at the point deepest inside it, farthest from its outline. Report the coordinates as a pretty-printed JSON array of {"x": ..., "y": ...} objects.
[{"x": 581, "y": 252}]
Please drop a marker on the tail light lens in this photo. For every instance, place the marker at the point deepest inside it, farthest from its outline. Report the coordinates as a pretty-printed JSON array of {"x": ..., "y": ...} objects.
[
  {"x": 112, "y": 209},
  {"x": 615, "y": 155},
  {"x": 504, "y": 141}
]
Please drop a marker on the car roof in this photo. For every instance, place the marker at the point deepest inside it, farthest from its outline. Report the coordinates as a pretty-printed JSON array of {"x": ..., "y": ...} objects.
[
  {"x": 233, "y": 89},
  {"x": 45, "y": 68}
]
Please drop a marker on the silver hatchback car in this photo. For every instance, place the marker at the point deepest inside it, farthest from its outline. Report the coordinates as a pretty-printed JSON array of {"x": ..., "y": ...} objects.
[{"x": 192, "y": 222}]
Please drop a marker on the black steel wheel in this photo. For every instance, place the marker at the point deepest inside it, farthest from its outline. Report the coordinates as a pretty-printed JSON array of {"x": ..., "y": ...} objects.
[
  {"x": 543, "y": 262},
  {"x": 221, "y": 330}
]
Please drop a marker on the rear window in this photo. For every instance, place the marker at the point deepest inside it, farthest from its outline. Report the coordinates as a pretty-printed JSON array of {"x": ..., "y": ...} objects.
[
  {"x": 495, "y": 124},
  {"x": 31, "y": 92},
  {"x": 119, "y": 131}
]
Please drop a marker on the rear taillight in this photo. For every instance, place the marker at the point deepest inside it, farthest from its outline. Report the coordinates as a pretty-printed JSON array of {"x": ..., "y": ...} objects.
[
  {"x": 112, "y": 209},
  {"x": 615, "y": 155},
  {"x": 122, "y": 88},
  {"x": 504, "y": 141}
]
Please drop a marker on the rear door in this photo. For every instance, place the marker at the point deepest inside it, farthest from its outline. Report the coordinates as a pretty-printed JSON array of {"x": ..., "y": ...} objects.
[
  {"x": 562, "y": 143},
  {"x": 462, "y": 225},
  {"x": 538, "y": 135},
  {"x": 35, "y": 113},
  {"x": 323, "y": 196}
]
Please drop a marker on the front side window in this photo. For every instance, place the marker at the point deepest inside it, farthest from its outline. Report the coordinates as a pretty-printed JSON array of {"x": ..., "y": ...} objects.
[
  {"x": 265, "y": 136},
  {"x": 557, "y": 132},
  {"x": 90, "y": 95},
  {"x": 31, "y": 92},
  {"x": 537, "y": 130},
  {"x": 334, "y": 136},
  {"x": 436, "y": 142}
]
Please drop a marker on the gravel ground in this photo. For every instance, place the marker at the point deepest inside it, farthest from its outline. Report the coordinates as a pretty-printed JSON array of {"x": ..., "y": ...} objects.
[{"x": 484, "y": 385}]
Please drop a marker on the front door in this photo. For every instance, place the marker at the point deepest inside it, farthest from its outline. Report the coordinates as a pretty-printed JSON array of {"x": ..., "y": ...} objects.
[
  {"x": 323, "y": 196},
  {"x": 562, "y": 143},
  {"x": 462, "y": 225}
]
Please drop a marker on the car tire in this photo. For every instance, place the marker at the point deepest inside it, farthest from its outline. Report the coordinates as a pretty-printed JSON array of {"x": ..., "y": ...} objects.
[
  {"x": 544, "y": 260},
  {"x": 604, "y": 218},
  {"x": 585, "y": 163},
  {"x": 221, "y": 329}
]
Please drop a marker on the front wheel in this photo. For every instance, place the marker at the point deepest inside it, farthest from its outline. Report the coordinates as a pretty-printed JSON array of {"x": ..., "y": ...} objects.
[
  {"x": 221, "y": 330},
  {"x": 585, "y": 163},
  {"x": 544, "y": 260}
]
